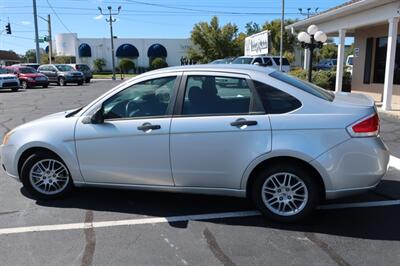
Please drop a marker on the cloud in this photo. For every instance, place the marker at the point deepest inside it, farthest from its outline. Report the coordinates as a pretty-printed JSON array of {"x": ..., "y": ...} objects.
[
  {"x": 24, "y": 22},
  {"x": 98, "y": 17}
]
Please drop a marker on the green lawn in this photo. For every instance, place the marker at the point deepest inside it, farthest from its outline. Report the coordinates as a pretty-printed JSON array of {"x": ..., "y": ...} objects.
[{"x": 109, "y": 76}]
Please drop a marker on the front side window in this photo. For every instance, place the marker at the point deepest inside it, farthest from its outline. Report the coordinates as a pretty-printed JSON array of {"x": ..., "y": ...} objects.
[
  {"x": 304, "y": 86},
  {"x": 144, "y": 99},
  {"x": 213, "y": 95},
  {"x": 274, "y": 100},
  {"x": 268, "y": 61}
]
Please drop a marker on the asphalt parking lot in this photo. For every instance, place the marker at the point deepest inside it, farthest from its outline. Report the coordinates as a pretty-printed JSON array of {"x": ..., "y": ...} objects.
[{"x": 98, "y": 226}]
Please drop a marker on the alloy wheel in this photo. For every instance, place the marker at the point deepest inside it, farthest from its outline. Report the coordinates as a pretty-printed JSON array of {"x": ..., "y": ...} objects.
[{"x": 284, "y": 194}]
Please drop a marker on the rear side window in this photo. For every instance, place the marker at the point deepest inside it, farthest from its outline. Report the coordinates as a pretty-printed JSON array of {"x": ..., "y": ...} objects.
[
  {"x": 276, "y": 101},
  {"x": 285, "y": 62},
  {"x": 304, "y": 86}
]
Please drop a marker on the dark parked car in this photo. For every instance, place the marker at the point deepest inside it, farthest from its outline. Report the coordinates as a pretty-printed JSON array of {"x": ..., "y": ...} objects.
[
  {"x": 29, "y": 77},
  {"x": 62, "y": 74},
  {"x": 326, "y": 64},
  {"x": 85, "y": 69}
]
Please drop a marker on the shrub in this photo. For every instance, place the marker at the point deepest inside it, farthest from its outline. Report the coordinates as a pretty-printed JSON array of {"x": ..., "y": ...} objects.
[
  {"x": 98, "y": 64},
  {"x": 126, "y": 65},
  {"x": 158, "y": 63},
  {"x": 324, "y": 78}
]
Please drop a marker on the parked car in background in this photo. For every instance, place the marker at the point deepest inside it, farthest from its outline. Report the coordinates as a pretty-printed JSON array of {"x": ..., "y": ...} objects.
[
  {"x": 267, "y": 61},
  {"x": 326, "y": 64},
  {"x": 62, "y": 74},
  {"x": 349, "y": 64},
  {"x": 85, "y": 69},
  {"x": 250, "y": 131},
  {"x": 223, "y": 61},
  {"x": 33, "y": 65},
  {"x": 29, "y": 77},
  {"x": 8, "y": 80}
]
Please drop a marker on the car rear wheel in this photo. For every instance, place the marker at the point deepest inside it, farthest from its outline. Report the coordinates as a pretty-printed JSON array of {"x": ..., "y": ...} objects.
[
  {"x": 46, "y": 176},
  {"x": 80, "y": 83},
  {"x": 45, "y": 86},
  {"x": 24, "y": 85},
  {"x": 14, "y": 89},
  {"x": 61, "y": 81},
  {"x": 285, "y": 192},
  {"x": 87, "y": 80}
]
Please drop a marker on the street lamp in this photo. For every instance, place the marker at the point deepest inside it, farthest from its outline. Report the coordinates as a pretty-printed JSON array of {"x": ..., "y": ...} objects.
[
  {"x": 111, "y": 20},
  {"x": 313, "y": 38}
]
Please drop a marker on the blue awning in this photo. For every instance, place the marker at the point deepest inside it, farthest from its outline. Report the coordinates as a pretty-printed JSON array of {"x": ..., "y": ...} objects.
[
  {"x": 84, "y": 50},
  {"x": 127, "y": 50},
  {"x": 157, "y": 50}
]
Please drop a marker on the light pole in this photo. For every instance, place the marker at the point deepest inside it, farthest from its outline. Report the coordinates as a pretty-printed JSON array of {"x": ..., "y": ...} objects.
[
  {"x": 36, "y": 32},
  {"x": 281, "y": 41},
  {"x": 111, "y": 20},
  {"x": 313, "y": 38}
]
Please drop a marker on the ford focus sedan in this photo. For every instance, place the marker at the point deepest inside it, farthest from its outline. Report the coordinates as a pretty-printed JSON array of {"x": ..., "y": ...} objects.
[{"x": 232, "y": 130}]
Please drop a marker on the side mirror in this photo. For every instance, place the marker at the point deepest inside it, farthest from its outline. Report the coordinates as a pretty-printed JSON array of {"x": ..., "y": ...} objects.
[
  {"x": 256, "y": 63},
  {"x": 98, "y": 117}
]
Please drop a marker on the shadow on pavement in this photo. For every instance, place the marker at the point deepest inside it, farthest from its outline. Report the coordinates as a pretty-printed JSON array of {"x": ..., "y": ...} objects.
[{"x": 379, "y": 223}]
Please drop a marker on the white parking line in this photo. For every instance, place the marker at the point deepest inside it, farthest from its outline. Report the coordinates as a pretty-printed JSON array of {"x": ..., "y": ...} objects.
[
  {"x": 394, "y": 162},
  {"x": 156, "y": 220}
]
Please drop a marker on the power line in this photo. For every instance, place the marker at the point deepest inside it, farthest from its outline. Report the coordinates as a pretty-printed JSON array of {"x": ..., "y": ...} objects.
[{"x": 58, "y": 17}]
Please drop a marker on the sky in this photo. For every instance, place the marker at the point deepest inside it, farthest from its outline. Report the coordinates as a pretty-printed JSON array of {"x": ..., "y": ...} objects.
[{"x": 138, "y": 18}]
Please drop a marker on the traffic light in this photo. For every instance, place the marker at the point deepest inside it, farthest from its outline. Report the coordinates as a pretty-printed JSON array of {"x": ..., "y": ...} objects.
[{"x": 8, "y": 28}]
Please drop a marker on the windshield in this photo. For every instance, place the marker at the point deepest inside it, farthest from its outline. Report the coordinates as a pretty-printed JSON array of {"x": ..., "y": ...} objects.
[
  {"x": 350, "y": 61},
  {"x": 242, "y": 60},
  {"x": 64, "y": 68},
  {"x": 304, "y": 86},
  {"x": 27, "y": 70}
]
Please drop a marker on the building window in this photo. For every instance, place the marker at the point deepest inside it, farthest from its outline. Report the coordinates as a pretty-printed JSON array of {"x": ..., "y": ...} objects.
[{"x": 380, "y": 61}]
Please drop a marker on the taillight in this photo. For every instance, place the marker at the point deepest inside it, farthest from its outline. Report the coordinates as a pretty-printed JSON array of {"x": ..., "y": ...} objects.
[{"x": 366, "y": 127}]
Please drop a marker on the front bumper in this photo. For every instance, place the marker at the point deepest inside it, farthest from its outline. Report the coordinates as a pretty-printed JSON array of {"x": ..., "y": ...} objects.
[
  {"x": 74, "y": 79},
  {"x": 7, "y": 158},
  {"x": 354, "y": 166}
]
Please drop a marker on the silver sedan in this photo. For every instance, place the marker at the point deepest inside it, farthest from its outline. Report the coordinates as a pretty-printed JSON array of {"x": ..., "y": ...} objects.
[{"x": 233, "y": 130}]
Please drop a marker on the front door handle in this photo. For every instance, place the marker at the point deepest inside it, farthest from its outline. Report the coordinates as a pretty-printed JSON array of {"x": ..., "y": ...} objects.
[
  {"x": 243, "y": 122},
  {"x": 148, "y": 126}
]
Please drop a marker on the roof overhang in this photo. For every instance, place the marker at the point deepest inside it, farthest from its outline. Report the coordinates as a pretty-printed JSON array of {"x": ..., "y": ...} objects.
[{"x": 350, "y": 16}]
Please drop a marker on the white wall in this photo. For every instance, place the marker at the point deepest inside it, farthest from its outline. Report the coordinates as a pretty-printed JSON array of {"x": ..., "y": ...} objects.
[{"x": 67, "y": 44}]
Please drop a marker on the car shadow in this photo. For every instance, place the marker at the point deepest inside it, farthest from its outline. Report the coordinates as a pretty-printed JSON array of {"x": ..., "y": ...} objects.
[{"x": 377, "y": 223}]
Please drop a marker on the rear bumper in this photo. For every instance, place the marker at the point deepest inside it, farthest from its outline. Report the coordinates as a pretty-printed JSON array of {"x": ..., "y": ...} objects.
[
  {"x": 74, "y": 79},
  {"x": 354, "y": 166}
]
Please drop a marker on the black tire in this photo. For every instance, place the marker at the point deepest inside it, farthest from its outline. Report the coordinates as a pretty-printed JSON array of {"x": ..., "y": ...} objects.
[
  {"x": 15, "y": 89},
  {"x": 300, "y": 172},
  {"x": 24, "y": 85},
  {"x": 87, "y": 80},
  {"x": 25, "y": 176},
  {"x": 45, "y": 86},
  {"x": 80, "y": 83},
  {"x": 62, "y": 82}
]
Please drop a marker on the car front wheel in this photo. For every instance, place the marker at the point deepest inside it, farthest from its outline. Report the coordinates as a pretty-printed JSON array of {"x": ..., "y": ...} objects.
[
  {"x": 24, "y": 85},
  {"x": 62, "y": 81},
  {"x": 45, "y": 176},
  {"x": 285, "y": 192}
]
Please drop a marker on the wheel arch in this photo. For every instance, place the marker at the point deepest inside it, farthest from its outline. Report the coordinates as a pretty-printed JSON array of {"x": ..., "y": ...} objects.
[
  {"x": 285, "y": 159},
  {"x": 28, "y": 152}
]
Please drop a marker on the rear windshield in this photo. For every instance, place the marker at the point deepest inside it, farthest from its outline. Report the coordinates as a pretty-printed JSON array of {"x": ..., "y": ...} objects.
[
  {"x": 82, "y": 67},
  {"x": 304, "y": 86},
  {"x": 27, "y": 70},
  {"x": 242, "y": 60},
  {"x": 285, "y": 62},
  {"x": 64, "y": 68}
]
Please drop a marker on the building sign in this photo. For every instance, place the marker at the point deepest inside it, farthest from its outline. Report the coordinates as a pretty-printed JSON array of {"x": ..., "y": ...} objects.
[{"x": 256, "y": 44}]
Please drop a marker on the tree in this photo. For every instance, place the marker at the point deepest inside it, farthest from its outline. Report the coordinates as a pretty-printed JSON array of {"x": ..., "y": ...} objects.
[
  {"x": 289, "y": 40},
  {"x": 30, "y": 56},
  {"x": 252, "y": 28},
  {"x": 126, "y": 65},
  {"x": 98, "y": 64},
  {"x": 211, "y": 41},
  {"x": 328, "y": 51},
  {"x": 158, "y": 63}
]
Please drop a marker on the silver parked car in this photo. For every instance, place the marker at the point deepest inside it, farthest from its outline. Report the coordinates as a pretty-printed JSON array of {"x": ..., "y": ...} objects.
[{"x": 236, "y": 130}]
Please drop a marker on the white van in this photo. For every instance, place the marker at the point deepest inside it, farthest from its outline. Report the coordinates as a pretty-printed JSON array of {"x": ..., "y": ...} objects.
[
  {"x": 349, "y": 64},
  {"x": 268, "y": 61}
]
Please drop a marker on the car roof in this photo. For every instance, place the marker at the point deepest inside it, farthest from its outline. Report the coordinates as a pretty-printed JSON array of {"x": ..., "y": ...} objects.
[{"x": 230, "y": 68}]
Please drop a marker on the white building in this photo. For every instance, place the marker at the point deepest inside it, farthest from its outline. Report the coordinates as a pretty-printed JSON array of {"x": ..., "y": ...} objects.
[{"x": 85, "y": 50}]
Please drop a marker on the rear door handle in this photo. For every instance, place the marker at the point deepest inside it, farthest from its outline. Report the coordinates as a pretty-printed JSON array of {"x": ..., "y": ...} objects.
[
  {"x": 148, "y": 126},
  {"x": 243, "y": 122}
]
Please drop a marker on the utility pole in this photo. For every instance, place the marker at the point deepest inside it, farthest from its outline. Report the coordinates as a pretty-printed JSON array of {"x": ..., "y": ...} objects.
[
  {"x": 36, "y": 32},
  {"x": 50, "y": 39},
  {"x": 282, "y": 29},
  {"x": 111, "y": 20}
]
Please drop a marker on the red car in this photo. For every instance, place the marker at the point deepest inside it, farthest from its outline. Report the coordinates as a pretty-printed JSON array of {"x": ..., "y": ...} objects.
[{"x": 29, "y": 77}]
